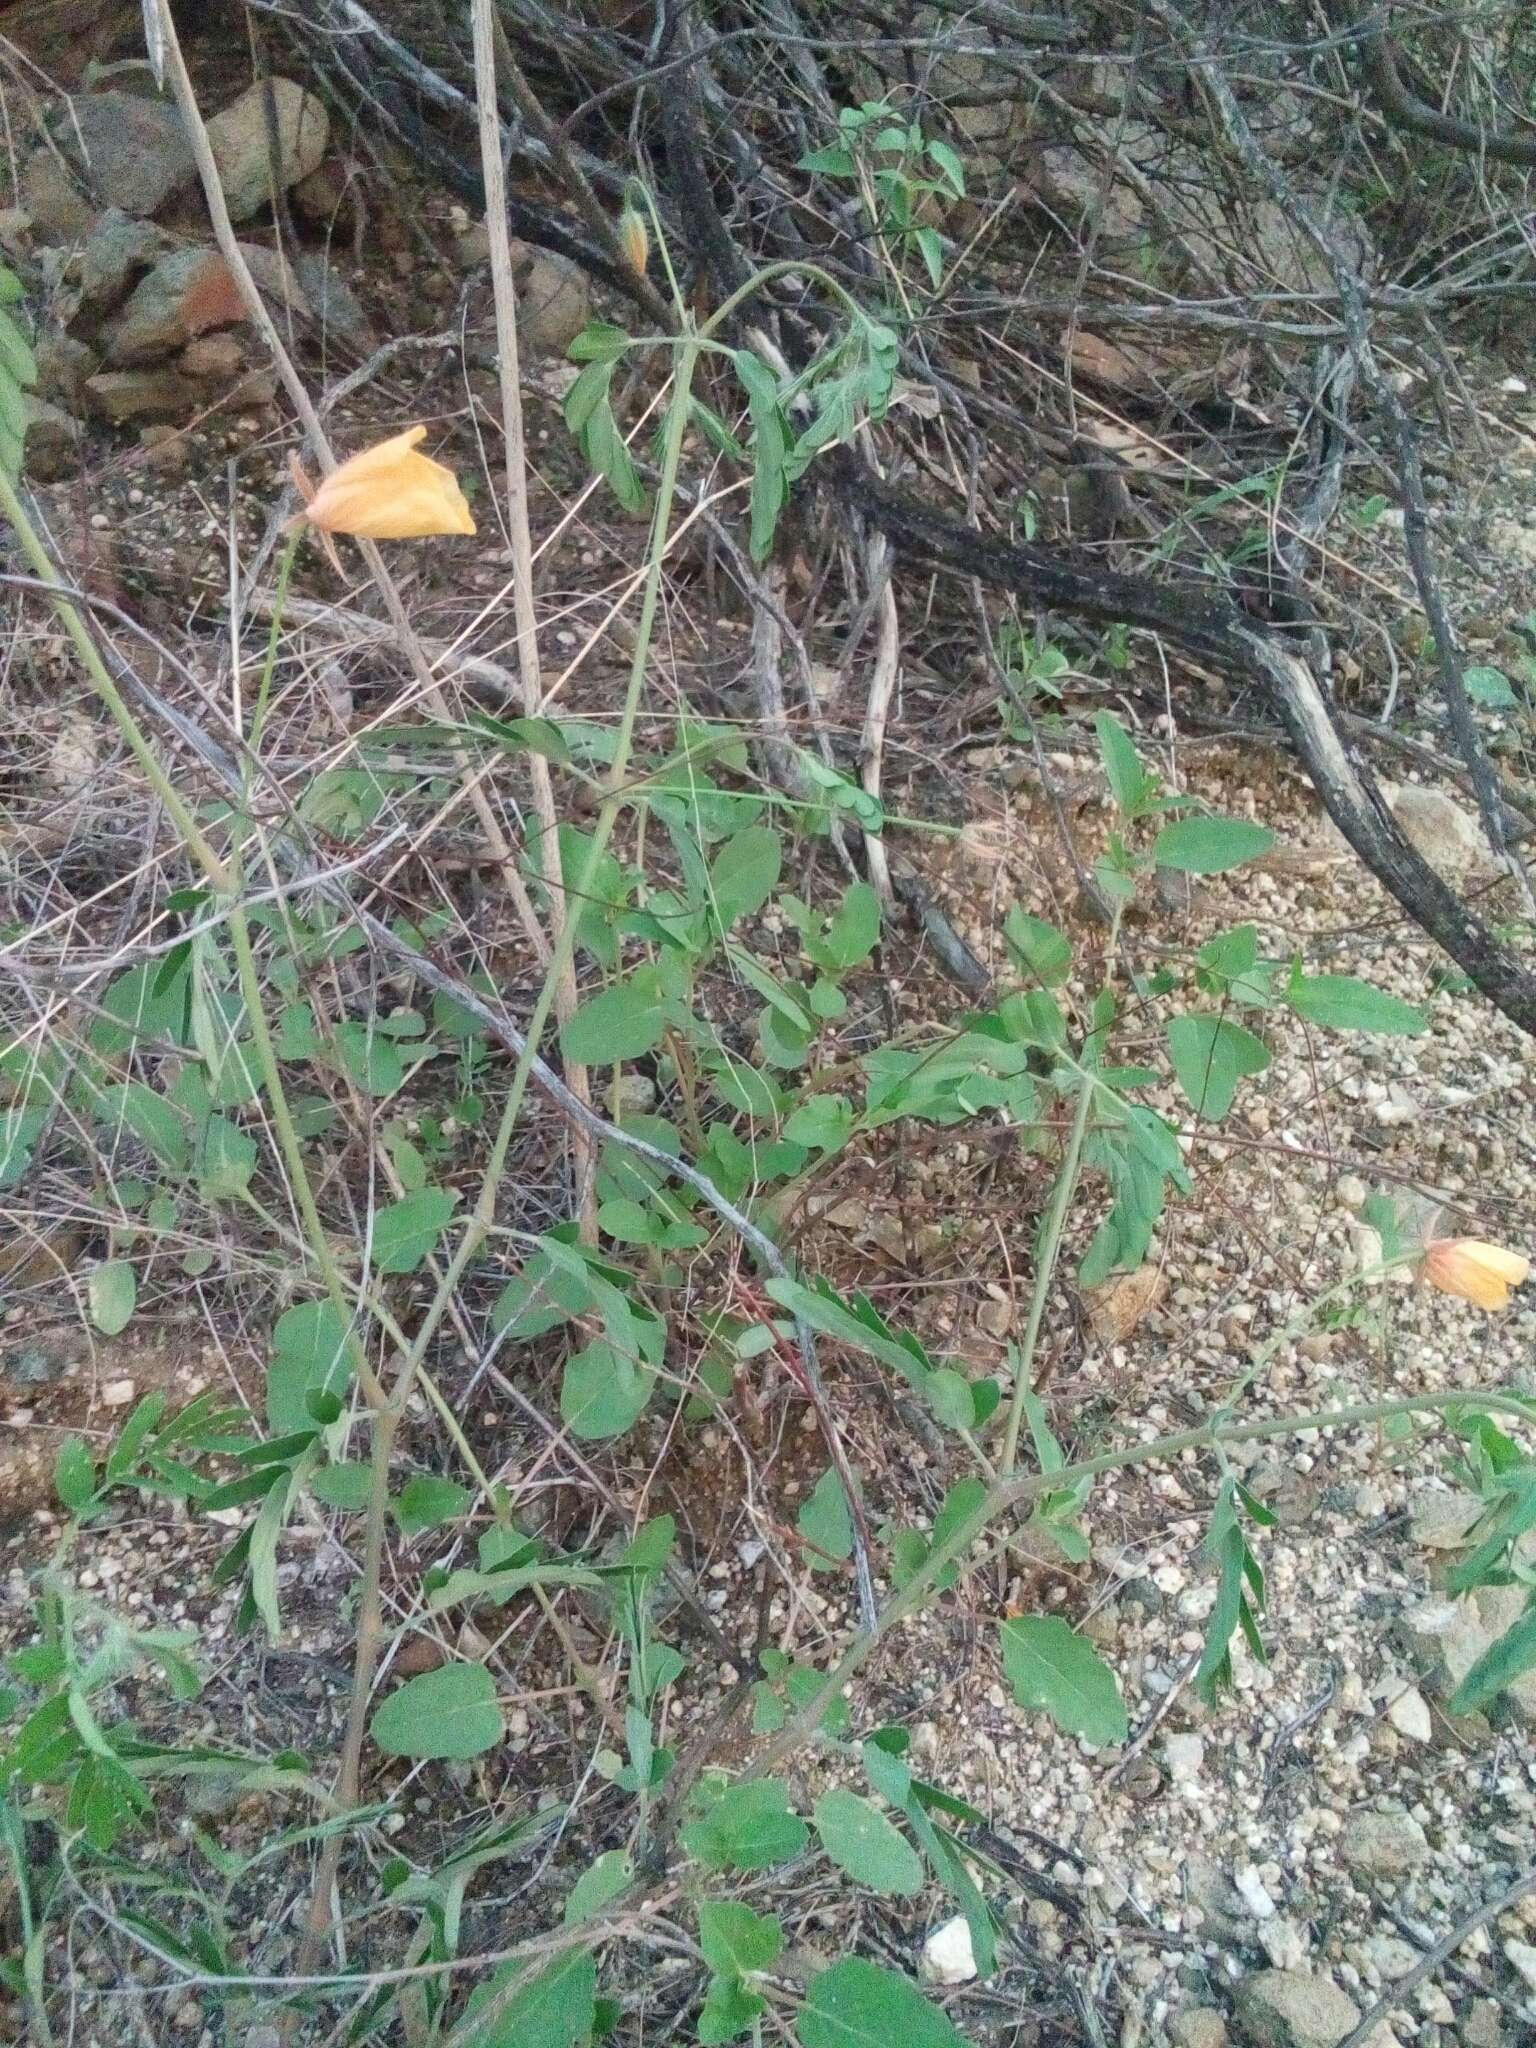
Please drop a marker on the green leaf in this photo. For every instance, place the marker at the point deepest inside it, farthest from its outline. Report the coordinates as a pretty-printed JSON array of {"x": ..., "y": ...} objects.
[
  {"x": 734, "y": 1939},
  {"x": 146, "y": 1002},
  {"x": 556, "y": 2009},
  {"x": 16, "y": 359},
  {"x": 745, "y": 873},
  {"x": 1490, "y": 686},
  {"x": 408, "y": 1230},
  {"x": 74, "y": 1474},
  {"x": 369, "y": 1058},
  {"x": 622, "y": 1023},
  {"x": 1210, "y": 1056},
  {"x": 1343, "y": 1003},
  {"x": 1499, "y": 1666},
  {"x": 823, "y": 1522},
  {"x": 112, "y": 1292},
  {"x": 1033, "y": 1017},
  {"x": 951, "y": 1399},
  {"x": 834, "y": 1318},
  {"x": 598, "y": 342},
  {"x": 1129, "y": 783},
  {"x": 729, "y": 2009},
  {"x": 832, "y": 161},
  {"x": 1229, "y": 965},
  {"x": 1051, "y": 1666},
  {"x": 749, "y": 1827},
  {"x": 859, "y": 2005},
  {"x": 603, "y": 1393},
  {"x": 823, "y": 1123},
  {"x": 597, "y": 1884},
  {"x": 345, "y": 1486},
  {"x": 426, "y": 1502},
  {"x": 151, "y": 1119},
  {"x": 1209, "y": 846},
  {"x": 949, "y": 165},
  {"x": 1037, "y": 949},
  {"x": 450, "y": 1712},
  {"x": 861, "y": 1841},
  {"x": 310, "y": 1347},
  {"x": 228, "y": 1160}
]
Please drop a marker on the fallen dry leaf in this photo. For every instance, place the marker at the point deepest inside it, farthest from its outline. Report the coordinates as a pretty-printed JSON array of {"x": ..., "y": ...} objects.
[
  {"x": 1118, "y": 1306},
  {"x": 1090, "y": 355}
]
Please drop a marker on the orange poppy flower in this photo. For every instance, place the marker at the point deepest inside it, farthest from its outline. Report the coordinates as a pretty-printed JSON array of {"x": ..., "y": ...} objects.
[
  {"x": 388, "y": 492},
  {"x": 1474, "y": 1271}
]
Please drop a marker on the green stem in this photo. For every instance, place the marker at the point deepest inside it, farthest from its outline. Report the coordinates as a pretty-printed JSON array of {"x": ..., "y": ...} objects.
[
  {"x": 1055, "y": 1225},
  {"x": 1050, "y": 1251}
]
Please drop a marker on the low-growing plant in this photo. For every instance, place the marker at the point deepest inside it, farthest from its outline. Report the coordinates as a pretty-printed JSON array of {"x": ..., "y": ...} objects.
[{"x": 200, "y": 1095}]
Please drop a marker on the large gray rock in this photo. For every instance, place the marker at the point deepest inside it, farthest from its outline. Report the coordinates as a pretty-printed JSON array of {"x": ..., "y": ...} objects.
[
  {"x": 1385, "y": 1846},
  {"x": 51, "y": 198},
  {"x": 134, "y": 152},
  {"x": 332, "y": 300},
  {"x": 243, "y": 144},
  {"x": 117, "y": 249},
  {"x": 1293, "y": 2009}
]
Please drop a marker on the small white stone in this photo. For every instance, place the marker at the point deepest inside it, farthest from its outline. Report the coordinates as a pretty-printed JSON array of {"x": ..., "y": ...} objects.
[
  {"x": 1250, "y": 1888},
  {"x": 1410, "y": 1716},
  {"x": 1516, "y": 387},
  {"x": 117, "y": 1393},
  {"x": 1352, "y": 1191},
  {"x": 1184, "y": 1755},
  {"x": 948, "y": 1957},
  {"x": 1523, "y": 1956},
  {"x": 1284, "y": 1943}
]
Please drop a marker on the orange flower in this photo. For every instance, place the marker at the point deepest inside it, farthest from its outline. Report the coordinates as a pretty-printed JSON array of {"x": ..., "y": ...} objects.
[
  {"x": 386, "y": 493},
  {"x": 1474, "y": 1271}
]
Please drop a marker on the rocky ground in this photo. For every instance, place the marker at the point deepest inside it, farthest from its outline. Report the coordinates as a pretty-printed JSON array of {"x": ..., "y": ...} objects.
[{"x": 1260, "y": 1871}]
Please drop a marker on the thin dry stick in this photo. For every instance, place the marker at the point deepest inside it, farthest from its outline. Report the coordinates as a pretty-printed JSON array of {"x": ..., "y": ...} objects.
[
  {"x": 230, "y": 250},
  {"x": 504, "y": 292}
]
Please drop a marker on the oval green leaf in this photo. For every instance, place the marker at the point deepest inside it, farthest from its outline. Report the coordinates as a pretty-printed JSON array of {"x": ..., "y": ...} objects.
[
  {"x": 1050, "y": 1666},
  {"x": 452, "y": 1712},
  {"x": 860, "y": 1840},
  {"x": 1209, "y": 846}
]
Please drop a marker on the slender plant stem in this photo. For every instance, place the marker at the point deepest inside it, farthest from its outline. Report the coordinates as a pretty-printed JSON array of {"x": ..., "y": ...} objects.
[
  {"x": 1055, "y": 1225},
  {"x": 1045, "y": 1271},
  {"x": 504, "y": 295}
]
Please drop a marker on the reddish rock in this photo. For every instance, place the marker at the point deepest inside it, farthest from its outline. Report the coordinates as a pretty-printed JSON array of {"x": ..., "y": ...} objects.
[{"x": 185, "y": 294}]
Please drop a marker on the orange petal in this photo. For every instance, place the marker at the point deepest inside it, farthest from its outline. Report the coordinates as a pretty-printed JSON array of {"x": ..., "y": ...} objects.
[
  {"x": 389, "y": 492},
  {"x": 1474, "y": 1271}
]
